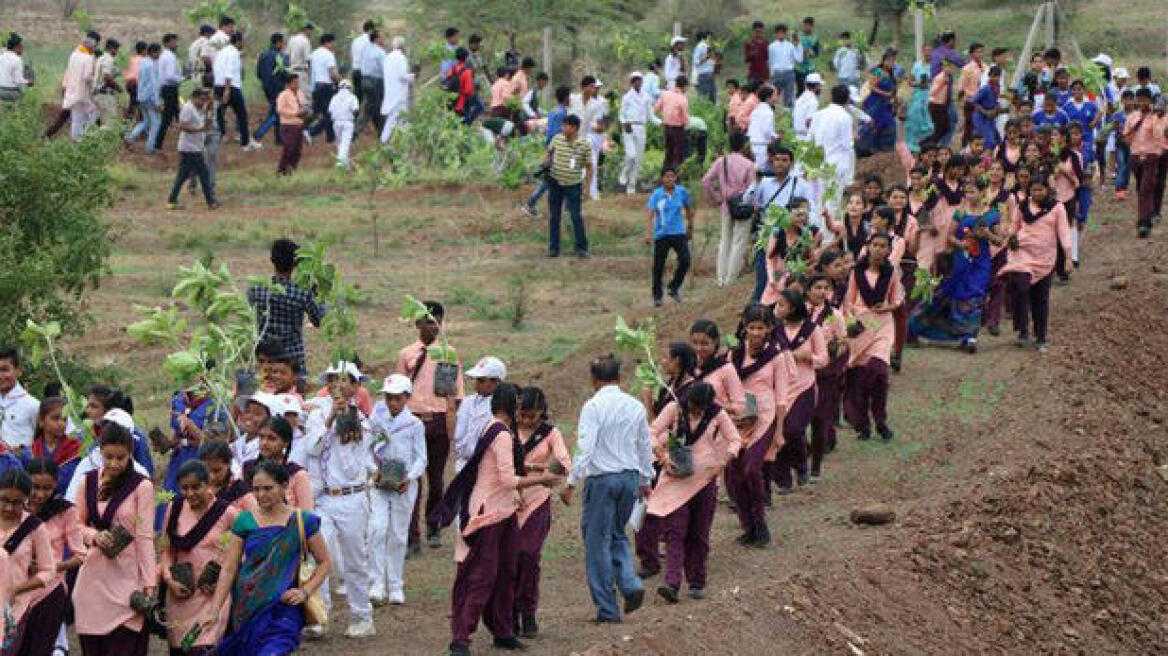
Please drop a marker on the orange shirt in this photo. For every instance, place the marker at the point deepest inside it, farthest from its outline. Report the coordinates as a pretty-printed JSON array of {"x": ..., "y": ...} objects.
[
  {"x": 423, "y": 399},
  {"x": 499, "y": 92},
  {"x": 1141, "y": 132},
  {"x": 288, "y": 105},
  {"x": 673, "y": 107}
]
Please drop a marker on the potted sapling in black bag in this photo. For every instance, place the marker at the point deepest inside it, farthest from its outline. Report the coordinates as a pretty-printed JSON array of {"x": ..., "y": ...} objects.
[
  {"x": 445, "y": 359},
  {"x": 680, "y": 456},
  {"x": 392, "y": 474}
]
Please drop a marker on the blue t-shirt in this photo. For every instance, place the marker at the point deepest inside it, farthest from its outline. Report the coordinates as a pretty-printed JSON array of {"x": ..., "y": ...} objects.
[
  {"x": 555, "y": 123},
  {"x": 1059, "y": 119},
  {"x": 668, "y": 211}
]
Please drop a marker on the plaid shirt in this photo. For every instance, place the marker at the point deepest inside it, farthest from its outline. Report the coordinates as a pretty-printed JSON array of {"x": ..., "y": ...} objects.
[{"x": 283, "y": 315}]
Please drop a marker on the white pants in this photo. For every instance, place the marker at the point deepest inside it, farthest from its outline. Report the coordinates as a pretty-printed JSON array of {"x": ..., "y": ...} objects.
[
  {"x": 344, "y": 132},
  {"x": 759, "y": 151},
  {"x": 596, "y": 141},
  {"x": 389, "y": 526},
  {"x": 634, "y": 145},
  {"x": 345, "y": 519},
  {"x": 390, "y": 122},
  {"x": 82, "y": 117},
  {"x": 732, "y": 248}
]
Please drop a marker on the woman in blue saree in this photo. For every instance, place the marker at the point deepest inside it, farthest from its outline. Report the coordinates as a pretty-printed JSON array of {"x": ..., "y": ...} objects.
[
  {"x": 880, "y": 134},
  {"x": 261, "y": 565},
  {"x": 954, "y": 314}
]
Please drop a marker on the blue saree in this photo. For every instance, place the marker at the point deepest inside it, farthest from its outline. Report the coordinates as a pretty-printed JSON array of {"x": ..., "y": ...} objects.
[
  {"x": 955, "y": 311},
  {"x": 880, "y": 134}
]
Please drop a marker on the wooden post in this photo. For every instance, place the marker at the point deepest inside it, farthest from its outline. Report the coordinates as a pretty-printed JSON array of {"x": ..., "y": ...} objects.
[
  {"x": 1049, "y": 11},
  {"x": 919, "y": 33},
  {"x": 547, "y": 60},
  {"x": 676, "y": 28},
  {"x": 1024, "y": 56}
]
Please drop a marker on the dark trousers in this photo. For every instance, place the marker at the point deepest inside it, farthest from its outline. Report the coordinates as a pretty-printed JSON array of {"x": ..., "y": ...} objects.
[
  {"x": 37, "y": 632},
  {"x": 192, "y": 164},
  {"x": 239, "y": 108},
  {"x": 1146, "y": 170},
  {"x": 793, "y": 454},
  {"x": 558, "y": 196},
  {"x": 674, "y": 146},
  {"x": 991, "y": 314},
  {"x": 940, "y": 116},
  {"x": 484, "y": 585},
  {"x": 828, "y": 389},
  {"x": 900, "y": 314},
  {"x": 169, "y": 112},
  {"x": 745, "y": 482},
  {"x": 645, "y": 543},
  {"x": 437, "y": 451},
  {"x": 355, "y": 76},
  {"x": 372, "y": 92},
  {"x": 1030, "y": 299},
  {"x": 529, "y": 545},
  {"x": 707, "y": 88},
  {"x": 322, "y": 94},
  {"x": 132, "y": 105},
  {"x": 966, "y": 123},
  {"x": 760, "y": 276},
  {"x": 120, "y": 642},
  {"x": 687, "y": 538},
  {"x": 59, "y": 122},
  {"x": 866, "y": 395},
  {"x": 293, "y": 138},
  {"x": 1161, "y": 179},
  {"x": 678, "y": 244}
]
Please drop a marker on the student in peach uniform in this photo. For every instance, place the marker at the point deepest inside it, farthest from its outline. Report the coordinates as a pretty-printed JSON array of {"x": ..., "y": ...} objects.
[
  {"x": 195, "y": 523},
  {"x": 874, "y": 293},
  {"x": 1041, "y": 230},
  {"x": 686, "y": 505},
  {"x": 60, "y": 520},
  {"x": 906, "y": 229},
  {"x": 715, "y": 369},
  {"x": 936, "y": 230},
  {"x": 783, "y": 244},
  {"x": 829, "y": 379},
  {"x": 766, "y": 373},
  {"x": 276, "y": 445},
  {"x": 32, "y": 568},
  {"x": 217, "y": 456},
  {"x": 113, "y": 496},
  {"x": 797, "y": 334},
  {"x": 541, "y": 442},
  {"x": 484, "y": 497}
]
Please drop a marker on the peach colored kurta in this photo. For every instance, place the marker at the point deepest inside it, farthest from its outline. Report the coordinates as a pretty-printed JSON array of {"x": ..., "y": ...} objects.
[
  {"x": 102, "y": 595},
  {"x": 896, "y": 255},
  {"x": 182, "y": 614},
  {"x": 1038, "y": 242},
  {"x": 499, "y": 92},
  {"x": 423, "y": 400},
  {"x": 834, "y": 328},
  {"x": 745, "y": 109},
  {"x": 495, "y": 496},
  {"x": 1066, "y": 183},
  {"x": 300, "y": 491},
  {"x": 3, "y": 577},
  {"x": 64, "y": 530},
  {"x": 533, "y": 497},
  {"x": 35, "y": 551},
  {"x": 770, "y": 386},
  {"x": 909, "y": 234},
  {"x": 727, "y": 388},
  {"x": 1005, "y": 222},
  {"x": 874, "y": 342},
  {"x": 816, "y": 348},
  {"x": 712, "y": 450},
  {"x": 929, "y": 246}
]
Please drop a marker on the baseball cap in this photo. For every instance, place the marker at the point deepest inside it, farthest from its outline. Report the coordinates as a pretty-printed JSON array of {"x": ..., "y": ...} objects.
[
  {"x": 813, "y": 78},
  {"x": 1121, "y": 73},
  {"x": 345, "y": 84},
  {"x": 1102, "y": 59},
  {"x": 269, "y": 401},
  {"x": 119, "y": 417},
  {"x": 488, "y": 367},
  {"x": 635, "y": 75},
  {"x": 397, "y": 384},
  {"x": 676, "y": 40},
  {"x": 343, "y": 367},
  {"x": 289, "y": 403}
]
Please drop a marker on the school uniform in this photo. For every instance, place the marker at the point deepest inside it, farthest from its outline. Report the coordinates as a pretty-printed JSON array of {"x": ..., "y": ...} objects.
[
  {"x": 534, "y": 517},
  {"x": 941, "y": 204},
  {"x": 669, "y": 234},
  {"x": 906, "y": 231},
  {"x": 686, "y": 505},
  {"x": 38, "y": 613},
  {"x": 1042, "y": 233},
  {"x": 866, "y": 389},
  {"x": 991, "y": 316},
  {"x": 1068, "y": 178},
  {"x": 404, "y": 441},
  {"x": 805, "y": 338},
  {"x": 195, "y": 540},
  {"x": 1142, "y": 131},
  {"x": 829, "y": 384},
  {"x": 60, "y": 520}
]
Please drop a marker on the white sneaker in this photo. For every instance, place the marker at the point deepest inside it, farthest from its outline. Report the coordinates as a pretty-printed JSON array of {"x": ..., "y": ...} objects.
[
  {"x": 397, "y": 598},
  {"x": 313, "y": 632},
  {"x": 253, "y": 146},
  {"x": 362, "y": 629}
]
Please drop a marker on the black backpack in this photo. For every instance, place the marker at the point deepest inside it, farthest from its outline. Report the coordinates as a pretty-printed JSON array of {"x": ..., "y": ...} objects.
[{"x": 452, "y": 81}]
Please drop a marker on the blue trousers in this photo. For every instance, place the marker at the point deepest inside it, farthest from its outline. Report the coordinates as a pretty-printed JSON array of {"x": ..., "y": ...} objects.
[
  {"x": 608, "y": 502},
  {"x": 558, "y": 196},
  {"x": 271, "y": 120},
  {"x": 760, "y": 276},
  {"x": 1122, "y": 166}
]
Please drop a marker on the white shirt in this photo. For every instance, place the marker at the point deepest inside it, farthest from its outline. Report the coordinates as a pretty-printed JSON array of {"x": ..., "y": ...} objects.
[
  {"x": 213, "y": 45},
  {"x": 396, "y": 69},
  {"x": 613, "y": 437},
  {"x": 19, "y": 414},
  {"x": 761, "y": 130},
  {"x": 635, "y": 107},
  {"x": 357, "y": 51},
  {"x": 342, "y": 465},
  {"x": 703, "y": 63},
  {"x": 770, "y": 191},
  {"x": 782, "y": 56},
  {"x": 245, "y": 448},
  {"x": 847, "y": 63},
  {"x": 343, "y": 106},
  {"x": 11, "y": 71},
  {"x": 228, "y": 67},
  {"x": 168, "y": 70},
  {"x": 530, "y": 110},
  {"x": 299, "y": 51},
  {"x": 194, "y": 52},
  {"x": 651, "y": 86},
  {"x": 589, "y": 114},
  {"x": 831, "y": 129},
  {"x": 671, "y": 69},
  {"x": 321, "y": 61},
  {"x": 405, "y": 439},
  {"x": 474, "y": 413},
  {"x": 372, "y": 60},
  {"x": 805, "y": 106}
]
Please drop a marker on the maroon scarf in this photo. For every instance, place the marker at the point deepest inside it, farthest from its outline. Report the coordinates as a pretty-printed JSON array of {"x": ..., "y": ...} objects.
[
  {"x": 872, "y": 295},
  {"x": 715, "y": 363},
  {"x": 801, "y": 337},
  {"x": 691, "y": 434},
  {"x": 680, "y": 391},
  {"x": 53, "y": 507},
  {"x": 104, "y": 521},
  {"x": 234, "y": 491},
  {"x": 541, "y": 432},
  {"x": 1030, "y": 217},
  {"x": 28, "y": 525},
  {"x": 769, "y": 352},
  {"x": 456, "y": 500},
  {"x": 201, "y": 528}
]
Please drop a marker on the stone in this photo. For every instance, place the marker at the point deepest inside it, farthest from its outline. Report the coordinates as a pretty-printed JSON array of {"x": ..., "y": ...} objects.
[{"x": 874, "y": 514}]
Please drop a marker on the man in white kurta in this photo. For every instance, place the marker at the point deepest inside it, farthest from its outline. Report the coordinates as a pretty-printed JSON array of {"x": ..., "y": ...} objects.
[
  {"x": 634, "y": 111},
  {"x": 78, "y": 86},
  {"x": 398, "y": 78},
  {"x": 832, "y": 128}
]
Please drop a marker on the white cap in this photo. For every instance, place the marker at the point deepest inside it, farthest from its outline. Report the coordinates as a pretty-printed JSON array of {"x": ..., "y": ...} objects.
[
  {"x": 1102, "y": 59},
  {"x": 269, "y": 401},
  {"x": 488, "y": 367},
  {"x": 119, "y": 417},
  {"x": 289, "y": 403},
  {"x": 676, "y": 40},
  {"x": 397, "y": 384},
  {"x": 635, "y": 75},
  {"x": 813, "y": 78},
  {"x": 343, "y": 367},
  {"x": 1121, "y": 73}
]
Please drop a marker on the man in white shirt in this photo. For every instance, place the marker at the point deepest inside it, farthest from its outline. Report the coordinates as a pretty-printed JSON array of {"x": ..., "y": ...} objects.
[
  {"x": 342, "y": 111},
  {"x": 357, "y": 54},
  {"x": 807, "y": 105},
  {"x": 614, "y": 457},
  {"x": 78, "y": 87},
  {"x": 300, "y": 51},
  {"x": 847, "y": 61},
  {"x": 194, "y": 63},
  {"x": 169, "y": 77},
  {"x": 403, "y": 448},
  {"x": 761, "y": 130},
  {"x": 634, "y": 111},
  {"x": 592, "y": 110},
  {"x": 397, "y": 79},
  {"x": 783, "y": 56},
  {"x": 832, "y": 128},
  {"x": 325, "y": 76},
  {"x": 674, "y": 61},
  {"x": 218, "y": 40},
  {"x": 703, "y": 67},
  {"x": 18, "y": 408},
  {"x": 346, "y": 462},
  {"x": 777, "y": 187},
  {"x": 372, "y": 81},
  {"x": 228, "y": 75},
  {"x": 474, "y": 413},
  {"x": 12, "y": 80}
]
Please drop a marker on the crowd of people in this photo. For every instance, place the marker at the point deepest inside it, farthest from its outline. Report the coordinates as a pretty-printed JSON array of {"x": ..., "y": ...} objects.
[{"x": 297, "y": 491}]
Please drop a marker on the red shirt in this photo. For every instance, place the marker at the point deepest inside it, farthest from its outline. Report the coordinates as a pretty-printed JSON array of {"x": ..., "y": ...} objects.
[{"x": 755, "y": 54}]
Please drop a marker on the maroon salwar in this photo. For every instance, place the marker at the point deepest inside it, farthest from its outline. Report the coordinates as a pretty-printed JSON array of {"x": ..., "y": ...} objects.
[
  {"x": 37, "y": 633},
  {"x": 1030, "y": 298},
  {"x": 829, "y": 384},
  {"x": 687, "y": 538},
  {"x": 866, "y": 395},
  {"x": 194, "y": 651},
  {"x": 646, "y": 542},
  {"x": 674, "y": 146},
  {"x": 293, "y": 138},
  {"x": 900, "y": 315},
  {"x": 121, "y": 642},
  {"x": 529, "y": 544},
  {"x": 991, "y": 315},
  {"x": 793, "y": 455},
  {"x": 437, "y": 452},
  {"x": 484, "y": 586},
  {"x": 745, "y": 483}
]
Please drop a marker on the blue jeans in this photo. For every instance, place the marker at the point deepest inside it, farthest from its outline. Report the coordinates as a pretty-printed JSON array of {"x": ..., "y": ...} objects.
[
  {"x": 272, "y": 120},
  {"x": 1122, "y": 166},
  {"x": 608, "y": 502},
  {"x": 760, "y": 276},
  {"x": 558, "y": 196},
  {"x": 471, "y": 111},
  {"x": 1083, "y": 199},
  {"x": 151, "y": 121},
  {"x": 538, "y": 193}
]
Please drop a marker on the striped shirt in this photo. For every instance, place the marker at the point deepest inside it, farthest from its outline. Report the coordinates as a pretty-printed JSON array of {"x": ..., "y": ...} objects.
[{"x": 569, "y": 159}]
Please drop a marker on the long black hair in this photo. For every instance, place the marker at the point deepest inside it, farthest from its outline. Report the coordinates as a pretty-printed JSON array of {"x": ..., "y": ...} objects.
[
  {"x": 283, "y": 429},
  {"x": 798, "y": 304},
  {"x": 117, "y": 435},
  {"x": 505, "y": 400},
  {"x": 533, "y": 399}
]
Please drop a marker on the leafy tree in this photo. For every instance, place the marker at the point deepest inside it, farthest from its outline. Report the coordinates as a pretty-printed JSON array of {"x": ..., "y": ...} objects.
[
  {"x": 53, "y": 241},
  {"x": 515, "y": 18}
]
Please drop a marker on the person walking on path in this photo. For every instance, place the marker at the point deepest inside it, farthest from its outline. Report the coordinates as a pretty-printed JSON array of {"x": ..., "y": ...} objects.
[
  {"x": 571, "y": 169},
  {"x": 669, "y": 231},
  {"x": 192, "y": 125},
  {"x": 673, "y": 107},
  {"x": 292, "y": 108}
]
